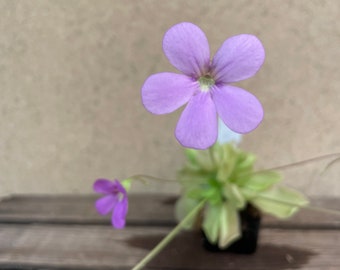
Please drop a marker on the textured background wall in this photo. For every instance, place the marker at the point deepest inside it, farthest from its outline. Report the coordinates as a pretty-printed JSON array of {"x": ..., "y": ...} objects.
[{"x": 71, "y": 72}]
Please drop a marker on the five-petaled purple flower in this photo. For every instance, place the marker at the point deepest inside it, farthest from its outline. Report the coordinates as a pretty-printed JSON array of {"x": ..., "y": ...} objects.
[
  {"x": 115, "y": 200},
  {"x": 205, "y": 85}
]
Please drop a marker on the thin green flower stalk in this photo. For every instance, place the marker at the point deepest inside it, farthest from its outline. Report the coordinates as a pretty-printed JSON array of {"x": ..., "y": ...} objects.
[{"x": 170, "y": 236}]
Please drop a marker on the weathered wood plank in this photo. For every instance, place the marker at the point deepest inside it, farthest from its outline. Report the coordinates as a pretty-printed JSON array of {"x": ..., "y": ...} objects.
[
  {"x": 148, "y": 210},
  {"x": 73, "y": 209},
  {"x": 100, "y": 247}
]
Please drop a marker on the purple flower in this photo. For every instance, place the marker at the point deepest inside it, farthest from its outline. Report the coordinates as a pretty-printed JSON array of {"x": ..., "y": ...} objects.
[
  {"x": 205, "y": 85},
  {"x": 115, "y": 200}
]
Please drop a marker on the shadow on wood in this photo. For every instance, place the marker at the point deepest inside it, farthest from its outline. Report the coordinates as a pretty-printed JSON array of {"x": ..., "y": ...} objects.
[{"x": 187, "y": 252}]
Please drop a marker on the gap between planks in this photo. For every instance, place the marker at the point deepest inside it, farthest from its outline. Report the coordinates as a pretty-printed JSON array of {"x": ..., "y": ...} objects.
[{"x": 148, "y": 210}]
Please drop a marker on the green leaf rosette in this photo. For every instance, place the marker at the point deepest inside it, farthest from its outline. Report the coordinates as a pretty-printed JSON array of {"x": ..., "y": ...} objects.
[{"x": 224, "y": 177}]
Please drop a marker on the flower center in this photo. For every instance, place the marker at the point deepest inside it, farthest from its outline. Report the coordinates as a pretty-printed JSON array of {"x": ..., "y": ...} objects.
[{"x": 206, "y": 82}]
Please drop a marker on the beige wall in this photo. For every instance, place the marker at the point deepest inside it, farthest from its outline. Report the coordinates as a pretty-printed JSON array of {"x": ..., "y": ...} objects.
[{"x": 71, "y": 72}]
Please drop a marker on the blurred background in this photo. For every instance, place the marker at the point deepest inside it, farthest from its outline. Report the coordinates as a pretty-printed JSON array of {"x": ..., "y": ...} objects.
[{"x": 71, "y": 73}]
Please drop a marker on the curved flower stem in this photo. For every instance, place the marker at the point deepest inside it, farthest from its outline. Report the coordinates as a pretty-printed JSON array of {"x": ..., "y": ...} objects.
[
  {"x": 303, "y": 162},
  {"x": 144, "y": 178},
  {"x": 171, "y": 235}
]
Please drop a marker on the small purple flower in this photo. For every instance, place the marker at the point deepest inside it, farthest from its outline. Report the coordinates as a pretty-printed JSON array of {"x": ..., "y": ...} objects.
[
  {"x": 205, "y": 85},
  {"x": 115, "y": 200}
]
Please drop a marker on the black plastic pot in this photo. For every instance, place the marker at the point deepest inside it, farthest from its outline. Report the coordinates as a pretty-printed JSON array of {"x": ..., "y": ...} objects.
[{"x": 250, "y": 223}]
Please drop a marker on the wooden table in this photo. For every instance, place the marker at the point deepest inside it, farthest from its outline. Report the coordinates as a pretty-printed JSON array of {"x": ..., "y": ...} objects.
[{"x": 65, "y": 232}]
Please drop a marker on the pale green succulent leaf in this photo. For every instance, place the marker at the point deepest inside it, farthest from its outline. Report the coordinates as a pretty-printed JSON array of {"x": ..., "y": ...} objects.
[
  {"x": 221, "y": 224},
  {"x": 229, "y": 229},
  {"x": 238, "y": 199},
  {"x": 246, "y": 161},
  {"x": 281, "y": 202},
  {"x": 211, "y": 222},
  {"x": 233, "y": 194},
  {"x": 248, "y": 193},
  {"x": 195, "y": 193},
  {"x": 260, "y": 181},
  {"x": 209, "y": 193},
  {"x": 225, "y": 170}
]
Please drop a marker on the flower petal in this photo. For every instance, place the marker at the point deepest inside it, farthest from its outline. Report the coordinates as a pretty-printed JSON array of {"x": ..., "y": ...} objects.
[
  {"x": 119, "y": 214},
  {"x": 165, "y": 92},
  {"x": 239, "y": 58},
  {"x": 197, "y": 126},
  {"x": 187, "y": 48},
  {"x": 240, "y": 110},
  {"x": 104, "y": 186},
  {"x": 106, "y": 204}
]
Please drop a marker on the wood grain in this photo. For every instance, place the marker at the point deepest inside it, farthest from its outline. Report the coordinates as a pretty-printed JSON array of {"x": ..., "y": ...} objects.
[
  {"x": 147, "y": 210},
  {"x": 65, "y": 232},
  {"x": 150, "y": 210},
  {"x": 100, "y": 247}
]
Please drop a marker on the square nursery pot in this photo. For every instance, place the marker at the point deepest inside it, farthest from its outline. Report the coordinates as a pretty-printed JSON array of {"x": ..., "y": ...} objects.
[{"x": 250, "y": 223}]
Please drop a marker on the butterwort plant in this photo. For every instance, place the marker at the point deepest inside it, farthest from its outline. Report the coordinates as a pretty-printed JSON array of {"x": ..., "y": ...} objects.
[
  {"x": 205, "y": 85},
  {"x": 225, "y": 178},
  {"x": 218, "y": 180}
]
